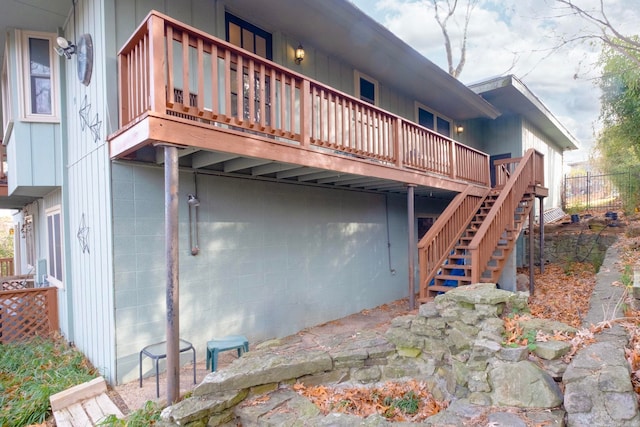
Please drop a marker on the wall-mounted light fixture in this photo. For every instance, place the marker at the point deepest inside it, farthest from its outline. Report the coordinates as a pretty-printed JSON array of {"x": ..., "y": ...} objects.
[
  {"x": 193, "y": 203},
  {"x": 459, "y": 129},
  {"x": 65, "y": 47},
  {"x": 84, "y": 50},
  {"x": 299, "y": 55}
]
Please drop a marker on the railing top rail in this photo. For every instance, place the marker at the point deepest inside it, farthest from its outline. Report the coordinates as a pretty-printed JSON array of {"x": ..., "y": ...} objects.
[{"x": 26, "y": 291}]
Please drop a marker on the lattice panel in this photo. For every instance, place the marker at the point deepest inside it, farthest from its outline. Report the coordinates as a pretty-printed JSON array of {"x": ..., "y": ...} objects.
[
  {"x": 25, "y": 314},
  {"x": 16, "y": 283}
]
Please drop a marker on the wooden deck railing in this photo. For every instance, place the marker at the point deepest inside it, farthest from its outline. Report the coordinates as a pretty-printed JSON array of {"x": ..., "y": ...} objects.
[
  {"x": 6, "y": 267},
  {"x": 437, "y": 243},
  {"x": 170, "y": 68},
  {"x": 528, "y": 173},
  {"x": 25, "y": 313},
  {"x": 12, "y": 283}
]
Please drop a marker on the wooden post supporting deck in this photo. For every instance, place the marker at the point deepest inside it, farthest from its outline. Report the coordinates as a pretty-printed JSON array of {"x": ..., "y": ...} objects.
[
  {"x": 541, "y": 243},
  {"x": 171, "y": 247},
  {"x": 412, "y": 244},
  {"x": 531, "y": 246}
]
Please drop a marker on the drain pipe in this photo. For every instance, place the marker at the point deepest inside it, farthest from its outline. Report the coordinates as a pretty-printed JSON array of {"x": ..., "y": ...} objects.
[{"x": 412, "y": 244}]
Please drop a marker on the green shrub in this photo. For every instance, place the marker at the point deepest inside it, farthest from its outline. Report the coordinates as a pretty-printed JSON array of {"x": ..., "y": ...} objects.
[{"x": 30, "y": 372}]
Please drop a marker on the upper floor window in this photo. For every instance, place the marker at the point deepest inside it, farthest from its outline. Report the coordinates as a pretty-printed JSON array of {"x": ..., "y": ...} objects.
[
  {"x": 37, "y": 71},
  {"x": 248, "y": 36},
  {"x": 366, "y": 88},
  {"x": 433, "y": 121}
]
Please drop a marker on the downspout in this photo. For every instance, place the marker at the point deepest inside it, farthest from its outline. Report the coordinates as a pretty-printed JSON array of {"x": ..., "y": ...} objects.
[
  {"x": 412, "y": 244},
  {"x": 172, "y": 286},
  {"x": 66, "y": 225}
]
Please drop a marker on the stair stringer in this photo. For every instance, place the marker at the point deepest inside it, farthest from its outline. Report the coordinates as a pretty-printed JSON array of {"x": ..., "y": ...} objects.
[{"x": 437, "y": 243}]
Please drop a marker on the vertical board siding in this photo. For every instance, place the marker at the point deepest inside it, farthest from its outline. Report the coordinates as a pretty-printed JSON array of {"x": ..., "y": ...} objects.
[
  {"x": 553, "y": 164},
  {"x": 89, "y": 188}
]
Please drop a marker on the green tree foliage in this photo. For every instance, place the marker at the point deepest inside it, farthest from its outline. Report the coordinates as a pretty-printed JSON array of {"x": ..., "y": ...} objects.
[{"x": 619, "y": 140}]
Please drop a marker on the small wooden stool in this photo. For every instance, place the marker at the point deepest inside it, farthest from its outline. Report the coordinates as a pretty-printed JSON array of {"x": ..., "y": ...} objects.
[{"x": 230, "y": 342}]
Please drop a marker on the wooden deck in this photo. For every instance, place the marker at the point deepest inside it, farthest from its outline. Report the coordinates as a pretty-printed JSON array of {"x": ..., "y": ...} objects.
[
  {"x": 83, "y": 405},
  {"x": 222, "y": 105}
]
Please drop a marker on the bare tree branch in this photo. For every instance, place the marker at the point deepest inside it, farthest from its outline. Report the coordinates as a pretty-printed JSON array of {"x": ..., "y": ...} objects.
[
  {"x": 442, "y": 22},
  {"x": 606, "y": 33}
]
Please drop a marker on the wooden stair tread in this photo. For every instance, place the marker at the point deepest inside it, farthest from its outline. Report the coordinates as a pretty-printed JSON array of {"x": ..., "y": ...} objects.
[
  {"x": 448, "y": 277},
  {"x": 439, "y": 288}
]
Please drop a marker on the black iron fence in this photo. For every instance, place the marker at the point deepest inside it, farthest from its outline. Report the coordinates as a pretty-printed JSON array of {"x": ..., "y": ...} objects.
[{"x": 614, "y": 191}]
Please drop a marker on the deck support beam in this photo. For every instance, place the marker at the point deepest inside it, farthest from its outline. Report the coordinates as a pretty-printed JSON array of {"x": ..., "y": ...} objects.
[
  {"x": 172, "y": 287},
  {"x": 412, "y": 243}
]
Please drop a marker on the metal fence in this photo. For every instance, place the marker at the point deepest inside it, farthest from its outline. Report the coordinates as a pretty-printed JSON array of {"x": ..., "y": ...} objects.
[{"x": 598, "y": 191}]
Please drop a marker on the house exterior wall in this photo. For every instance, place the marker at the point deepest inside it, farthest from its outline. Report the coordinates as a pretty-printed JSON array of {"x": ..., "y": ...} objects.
[
  {"x": 89, "y": 113},
  {"x": 553, "y": 164},
  {"x": 503, "y": 135},
  {"x": 274, "y": 258}
]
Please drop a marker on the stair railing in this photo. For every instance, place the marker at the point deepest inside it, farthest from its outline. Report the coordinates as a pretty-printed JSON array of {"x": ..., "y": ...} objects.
[
  {"x": 443, "y": 235},
  {"x": 501, "y": 216}
]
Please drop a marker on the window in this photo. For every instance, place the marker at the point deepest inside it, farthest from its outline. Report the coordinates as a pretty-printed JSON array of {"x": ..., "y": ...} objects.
[
  {"x": 54, "y": 245},
  {"x": 38, "y": 77},
  {"x": 366, "y": 88},
  {"x": 248, "y": 36},
  {"x": 433, "y": 121},
  {"x": 258, "y": 41}
]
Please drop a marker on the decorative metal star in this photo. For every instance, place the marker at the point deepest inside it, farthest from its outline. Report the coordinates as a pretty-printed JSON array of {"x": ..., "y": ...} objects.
[
  {"x": 85, "y": 111},
  {"x": 95, "y": 128},
  {"x": 83, "y": 236}
]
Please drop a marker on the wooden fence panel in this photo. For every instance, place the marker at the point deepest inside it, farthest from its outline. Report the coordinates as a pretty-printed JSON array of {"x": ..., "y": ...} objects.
[{"x": 27, "y": 313}]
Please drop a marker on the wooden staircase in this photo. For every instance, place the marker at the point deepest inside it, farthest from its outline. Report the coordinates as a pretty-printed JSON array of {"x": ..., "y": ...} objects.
[{"x": 480, "y": 246}]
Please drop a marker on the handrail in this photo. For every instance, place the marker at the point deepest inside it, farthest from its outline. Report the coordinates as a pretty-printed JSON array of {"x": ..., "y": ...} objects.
[
  {"x": 437, "y": 243},
  {"x": 173, "y": 69},
  {"x": 501, "y": 215}
]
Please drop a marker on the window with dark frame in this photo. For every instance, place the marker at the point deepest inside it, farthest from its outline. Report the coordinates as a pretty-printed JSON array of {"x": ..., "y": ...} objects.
[
  {"x": 367, "y": 91},
  {"x": 254, "y": 39},
  {"x": 247, "y": 36}
]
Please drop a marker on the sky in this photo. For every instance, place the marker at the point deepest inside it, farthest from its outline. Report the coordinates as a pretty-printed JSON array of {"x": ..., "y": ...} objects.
[{"x": 518, "y": 37}]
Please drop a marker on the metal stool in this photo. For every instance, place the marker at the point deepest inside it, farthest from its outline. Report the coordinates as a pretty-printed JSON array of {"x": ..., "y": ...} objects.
[
  {"x": 159, "y": 351},
  {"x": 230, "y": 342}
]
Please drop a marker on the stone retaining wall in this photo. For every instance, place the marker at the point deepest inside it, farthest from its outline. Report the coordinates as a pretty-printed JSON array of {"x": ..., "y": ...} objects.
[{"x": 454, "y": 344}]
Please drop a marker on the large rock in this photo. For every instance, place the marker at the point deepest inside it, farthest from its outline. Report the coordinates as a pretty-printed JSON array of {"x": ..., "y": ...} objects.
[
  {"x": 598, "y": 389},
  {"x": 257, "y": 368},
  {"x": 523, "y": 385}
]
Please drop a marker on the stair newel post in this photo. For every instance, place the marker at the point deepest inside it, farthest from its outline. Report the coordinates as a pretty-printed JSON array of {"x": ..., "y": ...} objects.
[
  {"x": 475, "y": 265},
  {"x": 412, "y": 244}
]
